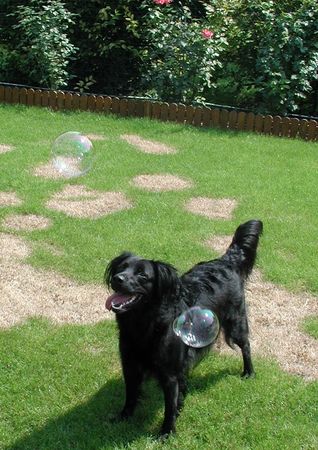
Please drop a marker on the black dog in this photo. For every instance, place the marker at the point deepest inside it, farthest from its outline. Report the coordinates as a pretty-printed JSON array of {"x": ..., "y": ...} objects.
[{"x": 149, "y": 295}]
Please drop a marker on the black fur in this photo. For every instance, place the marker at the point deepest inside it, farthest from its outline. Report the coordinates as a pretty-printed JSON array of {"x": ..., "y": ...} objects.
[{"x": 149, "y": 295}]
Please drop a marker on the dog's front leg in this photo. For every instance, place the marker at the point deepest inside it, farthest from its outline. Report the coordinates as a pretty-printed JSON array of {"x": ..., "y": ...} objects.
[
  {"x": 133, "y": 376},
  {"x": 170, "y": 388}
]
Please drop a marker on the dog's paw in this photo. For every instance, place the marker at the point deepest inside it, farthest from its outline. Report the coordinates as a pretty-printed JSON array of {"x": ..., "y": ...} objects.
[
  {"x": 248, "y": 375},
  {"x": 166, "y": 432},
  {"x": 163, "y": 437}
]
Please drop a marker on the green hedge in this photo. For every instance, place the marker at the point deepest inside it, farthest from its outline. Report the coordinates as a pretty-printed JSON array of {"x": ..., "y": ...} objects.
[{"x": 263, "y": 54}]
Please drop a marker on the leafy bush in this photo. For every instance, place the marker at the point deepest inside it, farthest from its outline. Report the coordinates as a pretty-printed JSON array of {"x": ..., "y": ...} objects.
[
  {"x": 182, "y": 53},
  {"x": 44, "y": 46},
  {"x": 108, "y": 35},
  {"x": 271, "y": 61},
  {"x": 4, "y": 61},
  {"x": 263, "y": 54},
  {"x": 287, "y": 60}
]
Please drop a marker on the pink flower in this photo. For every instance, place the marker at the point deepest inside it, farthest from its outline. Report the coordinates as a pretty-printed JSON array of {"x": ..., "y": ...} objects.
[
  {"x": 162, "y": 2},
  {"x": 207, "y": 34}
]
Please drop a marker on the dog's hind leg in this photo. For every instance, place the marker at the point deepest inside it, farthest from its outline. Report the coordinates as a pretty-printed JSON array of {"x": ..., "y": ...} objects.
[
  {"x": 244, "y": 344},
  {"x": 236, "y": 332}
]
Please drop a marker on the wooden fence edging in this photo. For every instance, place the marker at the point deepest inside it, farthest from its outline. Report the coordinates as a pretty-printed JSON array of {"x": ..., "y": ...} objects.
[{"x": 199, "y": 116}]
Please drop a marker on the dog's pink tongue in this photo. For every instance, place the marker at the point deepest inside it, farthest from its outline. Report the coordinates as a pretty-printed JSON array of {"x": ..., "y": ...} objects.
[{"x": 117, "y": 299}]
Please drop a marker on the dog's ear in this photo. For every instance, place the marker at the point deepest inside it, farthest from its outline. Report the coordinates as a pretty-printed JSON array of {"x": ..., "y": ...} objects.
[
  {"x": 166, "y": 280},
  {"x": 112, "y": 267}
]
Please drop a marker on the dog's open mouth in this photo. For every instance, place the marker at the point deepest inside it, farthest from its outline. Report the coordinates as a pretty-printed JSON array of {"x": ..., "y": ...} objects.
[{"x": 119, "y": 302}]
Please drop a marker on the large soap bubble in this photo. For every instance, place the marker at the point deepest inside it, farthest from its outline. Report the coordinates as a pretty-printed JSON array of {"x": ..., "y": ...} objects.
[
  {"x": 72, "y": 154},
  {"x": 197, "y": 327}
]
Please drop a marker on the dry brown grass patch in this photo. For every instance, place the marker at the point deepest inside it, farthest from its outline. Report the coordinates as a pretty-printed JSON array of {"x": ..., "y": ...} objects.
[
  {"x": 71, "y": 169},
  {"x": 161, "y": 182},
  {"x": 28, "y": 292},
  {"x": 276, "y": 317},
  {"x": 275, "y": 314},
  {"x": 48, "y": 171},
  {"x": 211, "y": 207},
  {"x": 147, "y": 146},
  {"x": 219, "y": 243},
  {"x": 13, "y": 248},
  {"x": 9, "y": 199},
  {"x": 4, "y": 148},
  {"x": 95, "y": 137},
  {"x": 26, "y": 222},
  {"x": 79, "y": 201}
]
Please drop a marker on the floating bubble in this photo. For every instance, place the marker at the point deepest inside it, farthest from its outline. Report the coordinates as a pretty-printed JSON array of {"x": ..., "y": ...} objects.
[
  {"x": 72, "y": 154},
  {"x": 197, "y": 327}
]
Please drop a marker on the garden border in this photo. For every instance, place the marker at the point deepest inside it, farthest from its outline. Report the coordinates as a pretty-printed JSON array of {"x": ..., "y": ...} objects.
[{"x": 199, "y": 116}]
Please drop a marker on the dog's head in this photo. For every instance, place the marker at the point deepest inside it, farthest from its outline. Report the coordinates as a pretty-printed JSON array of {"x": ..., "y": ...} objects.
[{"x": 137, "y": 282}]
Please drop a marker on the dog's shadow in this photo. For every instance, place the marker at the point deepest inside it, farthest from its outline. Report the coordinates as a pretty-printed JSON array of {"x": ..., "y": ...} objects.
[
  {"x": 89, "y": 425},
  {"x": 86, "y": 426}
]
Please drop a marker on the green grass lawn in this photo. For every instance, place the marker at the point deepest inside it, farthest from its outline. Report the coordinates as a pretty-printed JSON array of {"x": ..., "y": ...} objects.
[{"x": 58, "y": 385}]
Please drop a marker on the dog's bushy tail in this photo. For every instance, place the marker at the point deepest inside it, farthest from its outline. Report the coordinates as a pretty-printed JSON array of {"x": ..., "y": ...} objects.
[{"x": 242, "y": 251}]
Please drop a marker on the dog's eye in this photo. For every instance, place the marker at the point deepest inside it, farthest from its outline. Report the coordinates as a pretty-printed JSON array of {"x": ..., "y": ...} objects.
[{"x": 142, "y": 275}]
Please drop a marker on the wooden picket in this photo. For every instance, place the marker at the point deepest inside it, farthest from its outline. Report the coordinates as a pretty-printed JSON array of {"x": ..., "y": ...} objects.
[
  {"x": 312, "y": 130},
  {"x": 250, "y": 120},
  {"x": 100, "y": 103},
  {"x": 91, "y": 103},
  {"x": 241, "y": 121},
  {"x": 53, "y": 99},
  {"x": 277, "y": 123},
  {"x": 115, "y": 105},
  {"x": 189, "y": 115},
  {"x": 156, "y": 108},
  {"x": 206, "y": 117},
  {"x": 285, "y": 126},
  {"x": 233, "y": 120},
  {"x": 60, "y": 100},
  {"x": 44, "y": 98},
  {"x": 148, "y": 109},
  {"x": 259, "y": 122},
  {"x": 199, "y": 116},
  {"x": 38, "y": 98},
  {"x": 23, "y": 96},
  {"x": 294, "y": 127},
  {"x": 164, "y": 111},
  {"x": 173, "y": 108},
  {"x": 268, "y": 124},
  {"x": 140, "y": 108},
  {"x": 215, "y": 117},
  {"x": 15, "y": 95},
  {"x": 8, "y": 95},
  {"x": 181, "y": 113},
  {"x": 83, "y": 102},
  {"x": 224, "y": 118}
]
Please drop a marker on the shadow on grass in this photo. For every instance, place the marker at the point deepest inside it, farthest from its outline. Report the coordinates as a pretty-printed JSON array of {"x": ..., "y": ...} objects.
[{"x": 88, "y": 426}]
